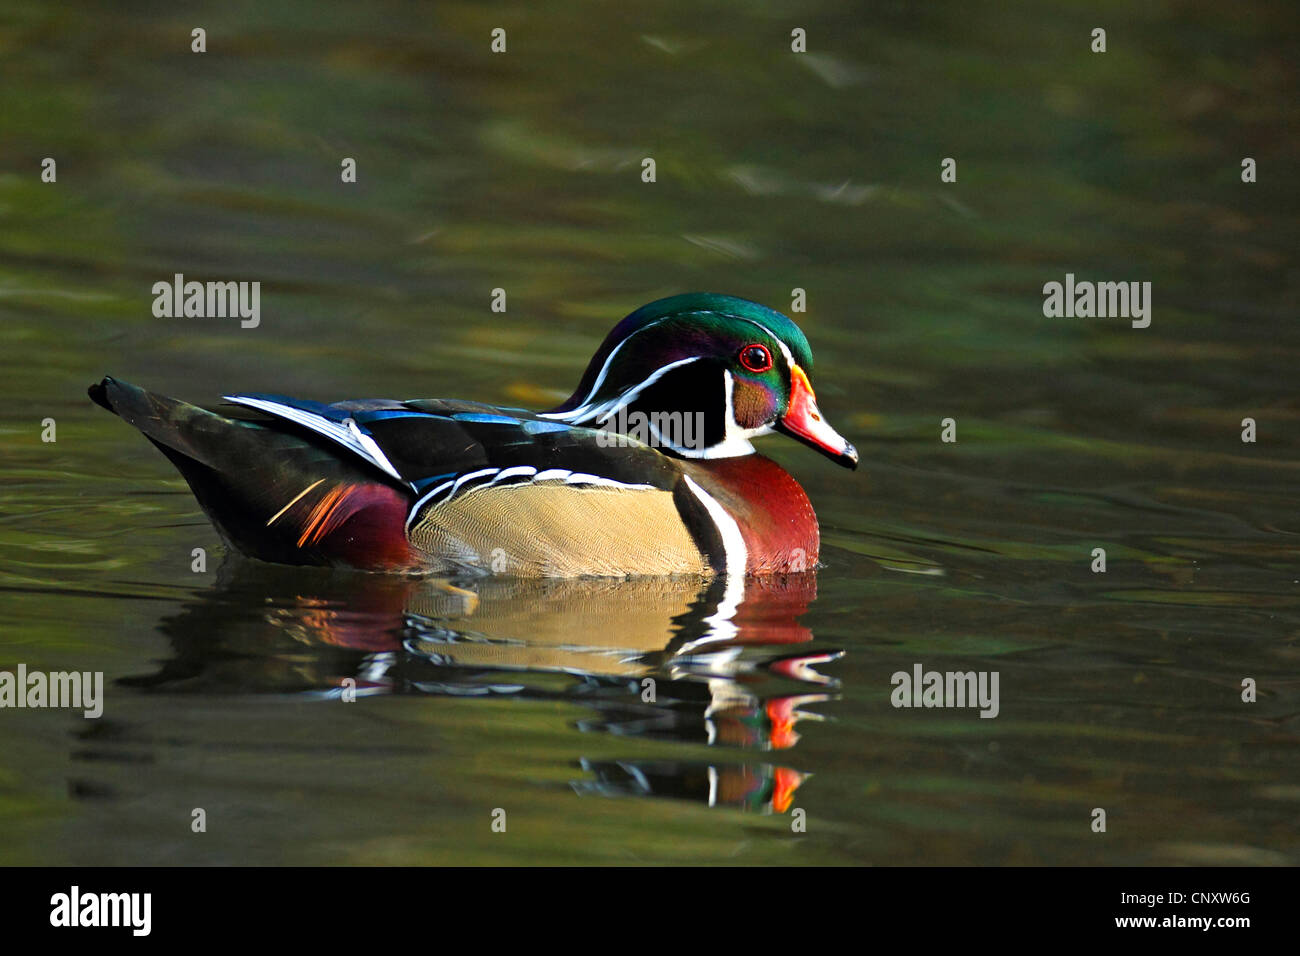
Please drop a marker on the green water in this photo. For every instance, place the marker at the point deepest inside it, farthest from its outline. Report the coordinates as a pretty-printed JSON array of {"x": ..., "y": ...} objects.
[{"x": 775, "y": 170}]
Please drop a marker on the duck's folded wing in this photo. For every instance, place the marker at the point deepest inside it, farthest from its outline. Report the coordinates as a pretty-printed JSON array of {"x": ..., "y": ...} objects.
[
  {"x": 422, "y": 443},
  {"x": 511, "y": 492}
]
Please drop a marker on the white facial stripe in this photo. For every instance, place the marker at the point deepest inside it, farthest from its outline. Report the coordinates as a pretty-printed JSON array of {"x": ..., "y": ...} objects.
[
  {"x": 627, "y": 397},
  {"x": 345, "y": 433},
  {"x": 604, "y": 370},
  {"x": 735, "y": 439},
  {"x": 609, "y": 359},
  {"x": 733, "y": 433},
  {"x": 585, "y": 404},
  {"x": 785, "y": 350},
  {"x": 605, "y": 410}
]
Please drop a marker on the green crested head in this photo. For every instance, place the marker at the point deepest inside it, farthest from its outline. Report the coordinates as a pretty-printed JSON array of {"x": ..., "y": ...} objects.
[
  {"x": 723, "y": 314},
  {"x": 728, "y": 368}
]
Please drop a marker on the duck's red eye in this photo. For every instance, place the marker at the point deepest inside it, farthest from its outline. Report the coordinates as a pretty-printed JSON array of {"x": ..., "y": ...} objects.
[{"x": 756, "y": 358}]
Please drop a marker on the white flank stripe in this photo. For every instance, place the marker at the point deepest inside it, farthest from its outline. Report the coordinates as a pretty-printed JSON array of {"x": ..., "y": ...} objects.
[
  {"x": 551, "y": 474},
  {"x": 578, "y": 478},
  {"x": 415, "y": 508},
  {"x": 473, "y": 474},
  {"x": 453, "y": 483},
  {"x": 512, "y": 472}
]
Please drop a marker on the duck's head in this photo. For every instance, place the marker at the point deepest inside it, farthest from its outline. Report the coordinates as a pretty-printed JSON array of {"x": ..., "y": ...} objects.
[{"x": 701, "y": 375}]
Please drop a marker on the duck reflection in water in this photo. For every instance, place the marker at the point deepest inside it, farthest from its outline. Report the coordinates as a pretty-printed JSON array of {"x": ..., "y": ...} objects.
[{"x": 681, "y": 659}]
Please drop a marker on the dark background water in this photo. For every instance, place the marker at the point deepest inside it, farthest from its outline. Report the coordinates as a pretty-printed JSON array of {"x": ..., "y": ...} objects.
[{"x": 775, "y": 170}]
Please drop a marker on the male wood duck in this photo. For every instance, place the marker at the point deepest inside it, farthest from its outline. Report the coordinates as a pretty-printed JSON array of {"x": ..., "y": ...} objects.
[{"x": 445, "y": 486}]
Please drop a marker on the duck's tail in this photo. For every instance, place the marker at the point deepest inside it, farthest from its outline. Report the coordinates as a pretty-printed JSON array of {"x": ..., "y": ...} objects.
[{"x": 272, "y": 492}]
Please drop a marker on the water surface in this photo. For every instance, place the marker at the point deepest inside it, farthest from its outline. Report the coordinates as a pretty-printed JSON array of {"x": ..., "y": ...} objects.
[{"x": 775, "y": 171}]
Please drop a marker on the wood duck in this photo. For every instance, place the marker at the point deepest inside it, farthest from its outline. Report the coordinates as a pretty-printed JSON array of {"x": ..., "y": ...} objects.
[{"x": 647, "y": 469}]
